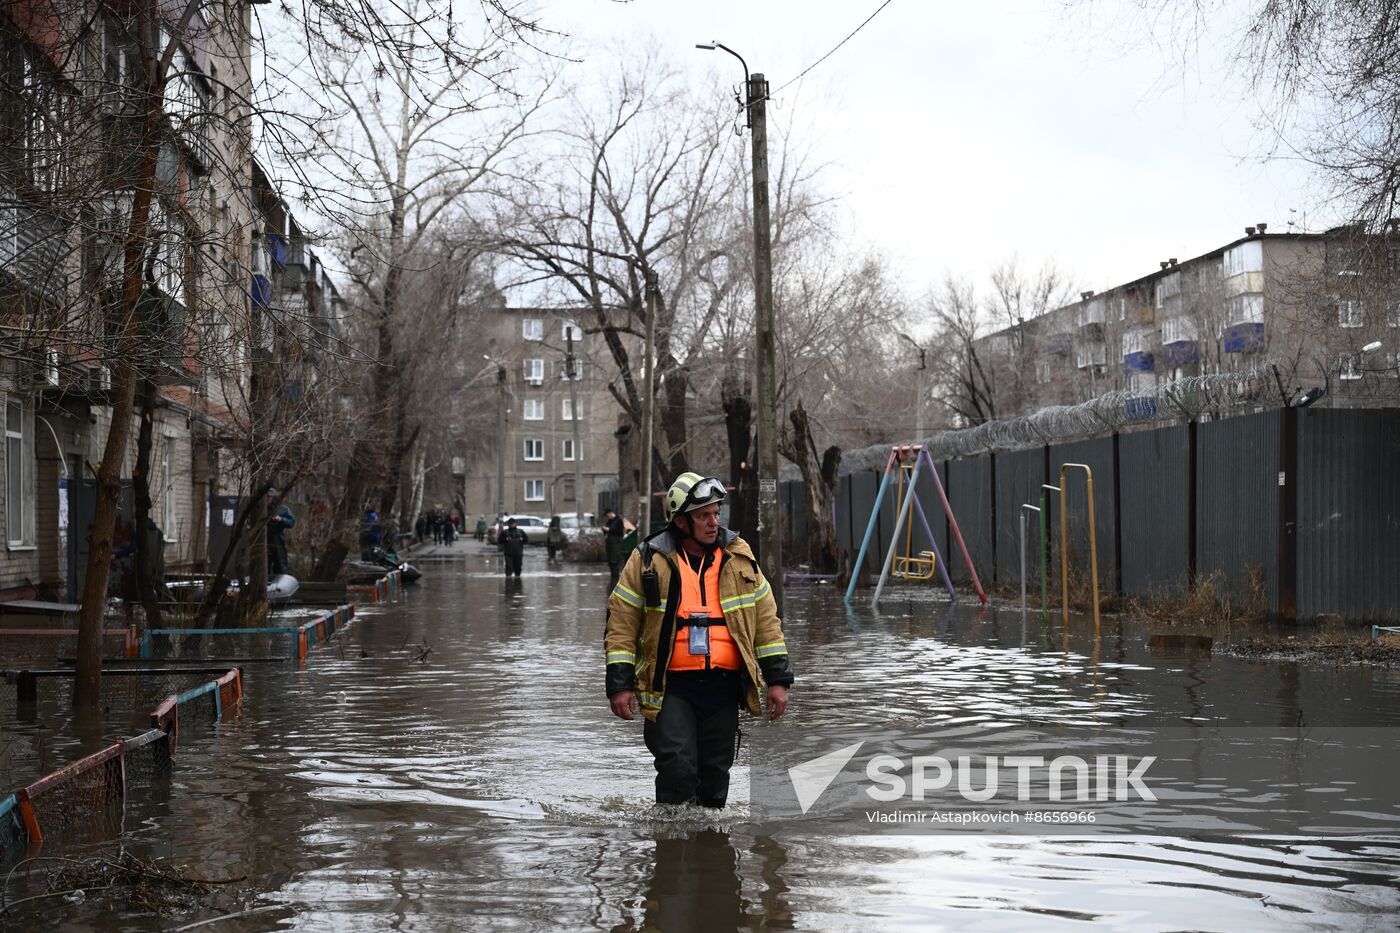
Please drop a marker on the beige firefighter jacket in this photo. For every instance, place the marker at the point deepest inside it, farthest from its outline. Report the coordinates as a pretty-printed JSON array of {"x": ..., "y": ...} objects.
[{"x": 639, "y": 637}]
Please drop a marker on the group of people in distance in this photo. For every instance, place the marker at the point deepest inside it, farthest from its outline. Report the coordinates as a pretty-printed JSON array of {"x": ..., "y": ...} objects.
[{"x": 444, "y": 525}]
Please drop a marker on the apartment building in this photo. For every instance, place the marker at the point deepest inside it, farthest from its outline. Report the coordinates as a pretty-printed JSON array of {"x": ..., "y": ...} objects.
[
  {"x": 68, "y": 74},
  {"x": 539, "y": 457},
  {"x": 1322, "y": 307}
]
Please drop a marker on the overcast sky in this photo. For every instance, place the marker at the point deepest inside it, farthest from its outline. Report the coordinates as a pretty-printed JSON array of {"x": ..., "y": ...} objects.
[{"x": 964, "y": 133}]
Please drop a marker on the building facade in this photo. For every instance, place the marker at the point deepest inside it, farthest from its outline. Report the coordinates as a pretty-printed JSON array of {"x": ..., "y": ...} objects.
[
  {"x": 525, "y": 376},
  {"x": 1323, "y": 308},
  {"x": 218, "y": 239}
]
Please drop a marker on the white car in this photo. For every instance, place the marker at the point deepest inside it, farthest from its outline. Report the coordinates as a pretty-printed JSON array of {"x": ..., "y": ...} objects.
[
  {"x": 533, "y": 526},
  {"x": 569, "y": 524}
]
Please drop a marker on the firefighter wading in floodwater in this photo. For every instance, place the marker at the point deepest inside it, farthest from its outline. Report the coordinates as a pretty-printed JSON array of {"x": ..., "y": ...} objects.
[{"x": 693, "y": 631}]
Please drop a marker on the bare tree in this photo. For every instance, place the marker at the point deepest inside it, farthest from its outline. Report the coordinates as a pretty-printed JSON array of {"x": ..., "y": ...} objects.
[
  {"x": 643, "y": 185},
  {"x": 401, "y": 141}
]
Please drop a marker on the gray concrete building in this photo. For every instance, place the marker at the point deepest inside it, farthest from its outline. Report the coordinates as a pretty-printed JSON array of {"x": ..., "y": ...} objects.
[
  {"x": 539, "y": 458},
  {"x": 1325, "y": 308}
]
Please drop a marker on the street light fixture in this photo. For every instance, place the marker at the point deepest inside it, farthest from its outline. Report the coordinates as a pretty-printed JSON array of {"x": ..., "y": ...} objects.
[{"x": 716, "y": 44}]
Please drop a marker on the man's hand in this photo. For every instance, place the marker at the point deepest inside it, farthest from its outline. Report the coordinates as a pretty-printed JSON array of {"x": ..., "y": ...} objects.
[
  {"x": 624, "y": 704},
  {"x": 777, "y": 701}
]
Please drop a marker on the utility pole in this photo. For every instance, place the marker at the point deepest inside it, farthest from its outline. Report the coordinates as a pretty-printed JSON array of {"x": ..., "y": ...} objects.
[
  {"x": 923, "y": 373},
  {"x": 770, "y": 553},
  {"x": 649, "y": 391},
  {"x": 573, "y": 410},
  {"x": 500, "y": 440}
]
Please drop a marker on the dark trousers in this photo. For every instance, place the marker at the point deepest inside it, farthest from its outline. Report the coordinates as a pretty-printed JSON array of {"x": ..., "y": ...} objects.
[
  {"x": 615, "y": 569},
  {"x": 513, "y": 562},
  {"x": 692, "y": 741}
]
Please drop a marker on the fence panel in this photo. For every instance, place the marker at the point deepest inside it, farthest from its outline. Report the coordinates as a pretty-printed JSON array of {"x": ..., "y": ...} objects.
[
  {"x": 1349, "y": 513},
  {"x": 864, "y": 485},
  {"x": 1153, "y": 476},
  {"x": 1018, "y": 478},
  {"x": 970, "y": 494},
  {"x": 1097, "y": 454},
  {"x": 844, "y": 544},
  {"x": 1237, "y": 502}
]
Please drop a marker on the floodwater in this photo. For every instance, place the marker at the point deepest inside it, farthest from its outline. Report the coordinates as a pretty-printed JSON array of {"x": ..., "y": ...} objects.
[{"x": 449, "y": 763}]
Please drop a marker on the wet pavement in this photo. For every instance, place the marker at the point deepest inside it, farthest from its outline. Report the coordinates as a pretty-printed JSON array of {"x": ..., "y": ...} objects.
[{"x": 449, "y": 763}]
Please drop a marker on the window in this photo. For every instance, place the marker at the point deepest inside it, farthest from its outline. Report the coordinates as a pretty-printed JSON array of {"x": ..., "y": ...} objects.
[
  {"x": 534, "y": 490},
  {"x": 17, "y": 504},
  {"x": 534, "y": 448},
  {"x": 167, "y": 491},
  {"x": 569, "y": 449},
  {"x": 532, "y": 328},
  {"x": 1247, "y": 257},
  {"x": 1244, "y": 309},
  {"x": 534, "y": 372},
  {"x": 566, "y": 410},
  {"x": 1168, "y": 287},
  {"x": 1132, "y": 342},
  {"x": 534, "y": 409},
  {"x": 570, "y": 329},
  {"x": 1088, "y": 355},
  {"x": 1178, "y": 330},
  {"x": 1350, "y": 313},
  {"x": 1122, "y": 309},
  {"x": 1349, "y": 367},
  {"x": 564, "y": 369}
]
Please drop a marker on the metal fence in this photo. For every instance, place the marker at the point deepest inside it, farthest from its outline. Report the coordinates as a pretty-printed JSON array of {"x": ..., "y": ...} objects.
[{"x": 1297, "y": 506}]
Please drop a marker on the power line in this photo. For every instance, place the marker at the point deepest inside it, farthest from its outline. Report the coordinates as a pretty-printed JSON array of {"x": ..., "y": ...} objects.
[{"x": 834, "y": 48}]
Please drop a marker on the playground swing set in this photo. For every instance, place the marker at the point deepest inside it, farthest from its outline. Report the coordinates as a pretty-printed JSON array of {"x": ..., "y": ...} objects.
[
  {"x": 912, "y": 460},
  {"x": 905, "y": 464}
]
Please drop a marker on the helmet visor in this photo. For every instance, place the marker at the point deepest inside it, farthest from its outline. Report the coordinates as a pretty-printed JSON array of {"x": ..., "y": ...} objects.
[{"x": 703, "y": 493}]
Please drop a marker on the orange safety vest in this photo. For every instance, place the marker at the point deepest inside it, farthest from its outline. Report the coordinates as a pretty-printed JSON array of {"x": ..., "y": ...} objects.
[{"x": 700, "y": 596}]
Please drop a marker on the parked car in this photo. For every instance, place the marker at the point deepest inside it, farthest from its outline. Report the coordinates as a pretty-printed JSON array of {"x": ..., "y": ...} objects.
[
  {"x": 569, "y": 523},
  {"x": 533, "y": 526}
]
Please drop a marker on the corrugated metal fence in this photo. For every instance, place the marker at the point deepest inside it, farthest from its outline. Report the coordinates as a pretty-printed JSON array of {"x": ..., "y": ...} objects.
[{"x": 1304, "y": 502}]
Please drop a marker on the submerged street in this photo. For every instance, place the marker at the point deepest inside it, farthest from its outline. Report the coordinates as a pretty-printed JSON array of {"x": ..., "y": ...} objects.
[{"x": 449, "y": 762}]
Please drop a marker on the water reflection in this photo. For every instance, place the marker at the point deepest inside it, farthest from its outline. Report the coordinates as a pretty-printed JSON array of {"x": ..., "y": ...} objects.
[
  {"x": 485, "y": 785},
  {"x": 695, "y": 885}
]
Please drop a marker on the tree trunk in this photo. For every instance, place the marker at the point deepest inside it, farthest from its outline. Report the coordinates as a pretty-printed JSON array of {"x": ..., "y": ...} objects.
[
  {"x": 819, "y": 480},
  {"x": 675, "y": 383},
  {"x": 743, "y": 505},
  {"x": 87, "y": 682},
  {"x": 147, "y": 584}
]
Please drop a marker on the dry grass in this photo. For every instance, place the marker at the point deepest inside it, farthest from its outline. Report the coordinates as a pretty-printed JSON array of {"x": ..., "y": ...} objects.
[{"x": 1210, "y": 601}]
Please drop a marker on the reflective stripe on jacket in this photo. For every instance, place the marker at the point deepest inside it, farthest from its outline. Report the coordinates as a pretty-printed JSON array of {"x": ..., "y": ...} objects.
[{"x": 640, "y": 633}]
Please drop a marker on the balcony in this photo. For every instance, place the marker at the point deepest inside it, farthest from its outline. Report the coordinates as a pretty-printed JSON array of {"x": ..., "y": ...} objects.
[
  {"x": 1059, "y": 344},
  {"x": 33, "y": 249},
  {"x": 1243, "y": 338},
  {"x": 1090, "y": 319},
  {"x": 1091, "y": 355},
  {"x": 162, "y": 329}
]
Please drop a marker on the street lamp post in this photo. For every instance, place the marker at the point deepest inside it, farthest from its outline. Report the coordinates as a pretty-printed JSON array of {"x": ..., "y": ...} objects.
[
  {"x": 572, "y": 375},
  {"x": 919, "y": 401},
  {"x": 649, "y": 391},
  {"x": 500, "y": 440},
  {"x": 765, "y": 370}
]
